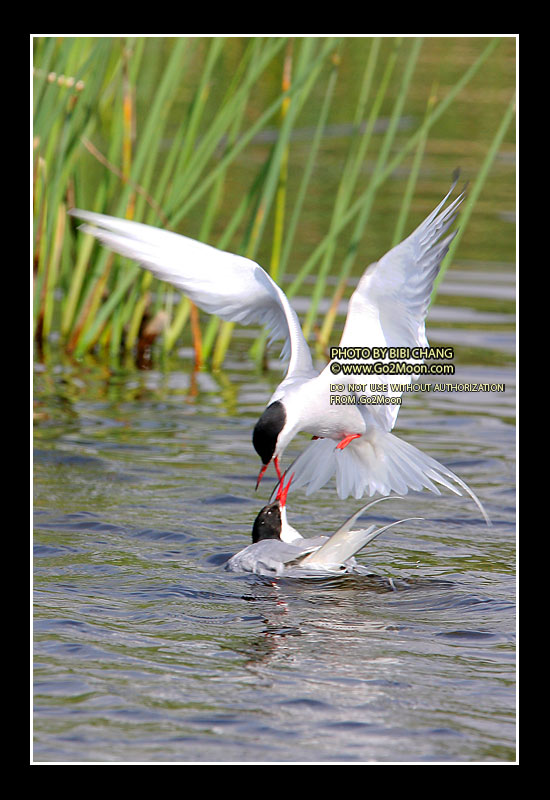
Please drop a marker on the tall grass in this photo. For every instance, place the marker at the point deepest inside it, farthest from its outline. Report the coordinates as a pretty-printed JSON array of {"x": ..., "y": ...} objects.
[{"x": 129, "y": 127}]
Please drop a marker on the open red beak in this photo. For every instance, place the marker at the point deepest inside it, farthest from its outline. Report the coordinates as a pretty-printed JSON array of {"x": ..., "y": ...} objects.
[
  {"x": 265, "y": 466},
  {"x": 282, "y": 492}
]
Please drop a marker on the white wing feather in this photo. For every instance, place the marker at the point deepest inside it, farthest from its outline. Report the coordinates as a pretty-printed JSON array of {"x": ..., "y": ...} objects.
[
  {"x": 389, "y": 306},
  {"x": 390, "y": 303},
  {"x": 387, "y": 309},
  {"x": 231, "y": 286},
  {"x": 345, "y": 542}
]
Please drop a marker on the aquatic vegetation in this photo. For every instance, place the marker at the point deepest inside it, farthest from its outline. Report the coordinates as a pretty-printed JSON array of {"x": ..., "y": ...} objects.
[{"x": 160, "y": 130}]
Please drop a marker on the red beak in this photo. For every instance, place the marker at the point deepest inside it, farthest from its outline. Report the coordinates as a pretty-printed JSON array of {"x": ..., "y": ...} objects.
[
  {"x": 265, "y": 466},
  {"x": 261, "y": 475},
  {"x": 282, "y": 492}
]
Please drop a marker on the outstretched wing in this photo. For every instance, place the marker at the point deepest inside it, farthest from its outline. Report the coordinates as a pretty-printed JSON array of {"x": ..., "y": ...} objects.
[
  {"x": 389, "y": 306},
  {"x": 390, "y": 303},
  {"x": 230, "y": 286}
]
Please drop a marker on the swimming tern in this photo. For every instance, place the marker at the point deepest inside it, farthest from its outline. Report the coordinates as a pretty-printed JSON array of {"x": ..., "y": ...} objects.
[
  {"x": 278, "y": 549},
  {"x": 387, "y": 310}
]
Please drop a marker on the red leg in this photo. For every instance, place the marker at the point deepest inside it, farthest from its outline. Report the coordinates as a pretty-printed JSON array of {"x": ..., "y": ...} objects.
[
  {"x": 346, "y": 440},
  {"x": 277, "y": 468}
]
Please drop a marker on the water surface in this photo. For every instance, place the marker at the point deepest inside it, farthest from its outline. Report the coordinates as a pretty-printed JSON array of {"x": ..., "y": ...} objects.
[{"x": 148, "y": 650}]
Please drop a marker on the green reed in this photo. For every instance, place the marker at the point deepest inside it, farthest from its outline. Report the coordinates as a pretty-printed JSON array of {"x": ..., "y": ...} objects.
[{"x": 129, "y": 127}]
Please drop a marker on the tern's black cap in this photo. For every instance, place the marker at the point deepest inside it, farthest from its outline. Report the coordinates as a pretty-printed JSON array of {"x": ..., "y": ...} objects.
[
  {"x": 267, "y": 429},
  {"x": 267, "y": 524}
]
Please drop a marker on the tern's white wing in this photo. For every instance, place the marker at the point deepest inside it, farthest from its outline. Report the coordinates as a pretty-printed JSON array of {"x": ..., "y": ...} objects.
[
  {"x": 345, "y": 542},
  {"x": 387, "y": 309},
  {"x": 343, "y": 545},
  {"x": 233, "y": 287},
  {"x": 389, "y": 306},
  {"x": 271, "y": 556},
  {"x": 390, "y": 303}
]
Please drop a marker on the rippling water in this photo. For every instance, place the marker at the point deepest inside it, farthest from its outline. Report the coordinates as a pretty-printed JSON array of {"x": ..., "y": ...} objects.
[{"x": 148, "y": 650}]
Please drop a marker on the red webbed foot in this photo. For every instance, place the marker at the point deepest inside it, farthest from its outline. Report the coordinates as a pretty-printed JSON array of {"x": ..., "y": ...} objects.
[{"x": 346, "y": 440}]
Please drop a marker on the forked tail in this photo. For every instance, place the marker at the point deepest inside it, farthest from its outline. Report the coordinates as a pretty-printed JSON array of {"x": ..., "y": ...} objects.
[{"x": 378, "y": 462}]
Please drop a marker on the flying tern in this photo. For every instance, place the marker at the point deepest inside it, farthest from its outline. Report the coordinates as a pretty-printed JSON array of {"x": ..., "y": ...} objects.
[
  {"x": 278, "y": 549},
  {"x": 387, "y": 310}
]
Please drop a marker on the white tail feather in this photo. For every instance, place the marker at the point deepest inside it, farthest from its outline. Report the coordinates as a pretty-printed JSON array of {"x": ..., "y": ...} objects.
[{"x": 376, "y": 462}]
